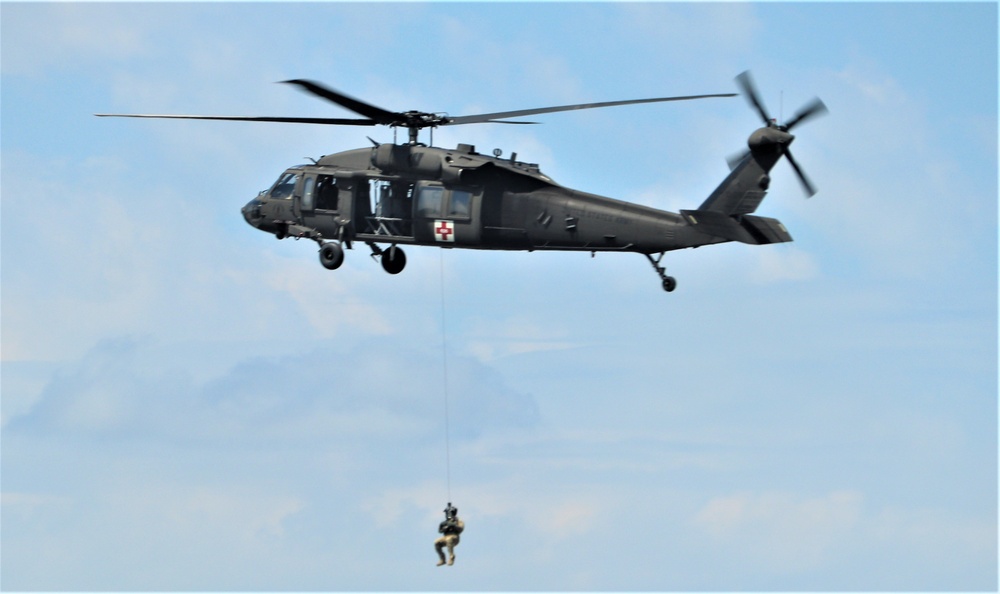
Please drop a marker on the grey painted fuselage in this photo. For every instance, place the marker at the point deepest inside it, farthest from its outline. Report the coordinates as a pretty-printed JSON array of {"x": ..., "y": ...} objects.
[{"x": 458, "y": 198}]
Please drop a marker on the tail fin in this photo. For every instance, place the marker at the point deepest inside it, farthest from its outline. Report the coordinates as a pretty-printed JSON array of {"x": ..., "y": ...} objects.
[
  {"x": 726, "y": 212},
  {"x": 742, "y": 191}
]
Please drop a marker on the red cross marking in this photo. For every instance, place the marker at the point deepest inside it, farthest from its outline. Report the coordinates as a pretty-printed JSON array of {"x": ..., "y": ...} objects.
[{"x": 444, "y": 230}]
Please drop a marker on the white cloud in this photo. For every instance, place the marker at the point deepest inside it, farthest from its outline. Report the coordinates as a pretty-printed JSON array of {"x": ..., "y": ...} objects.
[
  {"x": 25, "y": 505},
  {"x": 677, "y": 32},
  {"x": 214, "y": 513},
  {"x": 780, "y": 531},
  {"x": 489, "y": 340},
  {"x": 45, "y": 37},
  {"x": 785, "y": 263},
  {"x": 327, "y": 300},
  {"x": 891, "y": 193},
  {"x": 933, "y": 534},
  {"x": 569, "y": 519}
]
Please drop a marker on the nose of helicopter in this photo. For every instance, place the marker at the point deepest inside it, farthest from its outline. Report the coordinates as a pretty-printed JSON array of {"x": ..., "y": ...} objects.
[{"x": 251, "y": 212}]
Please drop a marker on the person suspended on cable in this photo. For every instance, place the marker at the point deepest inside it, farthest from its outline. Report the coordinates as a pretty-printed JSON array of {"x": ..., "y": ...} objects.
[{"x": 450, "y": 529}]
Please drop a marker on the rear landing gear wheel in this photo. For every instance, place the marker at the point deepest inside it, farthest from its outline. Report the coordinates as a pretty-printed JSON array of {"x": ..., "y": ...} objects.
[
  {"x": 331, "y": 256},
  {"x": 669, "y": 282},
  {"x": 393, "y": 260}
]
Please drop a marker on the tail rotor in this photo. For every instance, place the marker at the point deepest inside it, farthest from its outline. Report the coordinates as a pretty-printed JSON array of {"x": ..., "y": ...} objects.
[{"x": 781, "y": 139}]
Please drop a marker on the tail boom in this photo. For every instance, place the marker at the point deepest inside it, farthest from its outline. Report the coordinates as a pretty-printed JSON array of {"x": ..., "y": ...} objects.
[{"x": 743, "y": 228}]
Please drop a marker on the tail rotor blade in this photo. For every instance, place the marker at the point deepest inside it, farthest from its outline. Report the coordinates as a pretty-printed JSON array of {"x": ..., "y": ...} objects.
[
  {"x": 736, "y": 158},
  {"x": 806, "y": 184},
  {"x": 750, "y": 92},
  {"x": 815, "y": 108}
]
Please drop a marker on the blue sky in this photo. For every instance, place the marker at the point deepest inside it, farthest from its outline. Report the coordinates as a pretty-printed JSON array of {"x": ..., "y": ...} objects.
[{"x": 189, "y": 404}]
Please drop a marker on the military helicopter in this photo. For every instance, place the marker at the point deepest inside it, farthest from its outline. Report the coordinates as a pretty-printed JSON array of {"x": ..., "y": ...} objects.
[{"x": 415, "y": 194}]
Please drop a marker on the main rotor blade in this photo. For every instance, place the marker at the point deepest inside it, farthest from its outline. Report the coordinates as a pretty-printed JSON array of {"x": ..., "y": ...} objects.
[
  {"x": 329, "y": 121},
  {"x": 498, "y": 122},
  {"x": 381, "y": 116},
  {"x": 750, "y": 92},
  {"x": 813, "y": 109},
  {"x": 494, "y": 117},
  {"x": 810, "y": 190}
]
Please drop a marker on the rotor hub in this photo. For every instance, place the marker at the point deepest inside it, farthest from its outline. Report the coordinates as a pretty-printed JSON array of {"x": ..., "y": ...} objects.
[{"x": 770, "y": 138}]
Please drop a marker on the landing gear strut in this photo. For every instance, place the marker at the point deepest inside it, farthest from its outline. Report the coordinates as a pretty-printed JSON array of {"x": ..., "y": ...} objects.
[
  {"x": 669, "y": 282},
  {"x": 393, "y": 259}
]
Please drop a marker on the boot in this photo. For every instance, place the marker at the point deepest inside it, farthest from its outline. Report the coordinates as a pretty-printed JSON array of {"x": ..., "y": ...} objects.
[{"x": 451, "y": 560}]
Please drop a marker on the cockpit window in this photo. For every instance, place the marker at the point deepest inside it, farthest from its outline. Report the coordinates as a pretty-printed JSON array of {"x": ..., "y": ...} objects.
[{"x": 285, "y": 186}]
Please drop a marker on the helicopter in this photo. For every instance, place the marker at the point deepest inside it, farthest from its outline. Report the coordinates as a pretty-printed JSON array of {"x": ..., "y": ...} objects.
[{"x": 392, "y": 195}]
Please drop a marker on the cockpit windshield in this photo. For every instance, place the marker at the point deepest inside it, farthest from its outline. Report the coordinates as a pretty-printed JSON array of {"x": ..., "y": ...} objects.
[{"x": 285, "y": 185}]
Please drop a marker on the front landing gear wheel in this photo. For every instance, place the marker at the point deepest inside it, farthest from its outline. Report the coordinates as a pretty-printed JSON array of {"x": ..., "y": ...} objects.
[
  {"x": 331, "y": 256},
  {"x": 669, "y": 284},
  {"x": 393, "y": 260}
]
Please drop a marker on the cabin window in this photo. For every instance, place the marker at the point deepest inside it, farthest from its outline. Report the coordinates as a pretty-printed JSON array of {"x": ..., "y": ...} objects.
[
  {"x": 285, "y": 186},
  {"x": 326, "y": 193},
  {"x": 461, "y": 201},
  {"x": 307, "y": 193},
  {"x": 430, "y": 200}
]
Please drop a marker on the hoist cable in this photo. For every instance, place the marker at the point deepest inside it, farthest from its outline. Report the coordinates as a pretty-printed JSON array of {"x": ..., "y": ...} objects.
[{"x": 444, "y": 370}]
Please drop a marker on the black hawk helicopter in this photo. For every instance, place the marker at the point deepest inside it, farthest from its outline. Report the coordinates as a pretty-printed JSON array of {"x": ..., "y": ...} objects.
[{"x": 414, "y": 194}]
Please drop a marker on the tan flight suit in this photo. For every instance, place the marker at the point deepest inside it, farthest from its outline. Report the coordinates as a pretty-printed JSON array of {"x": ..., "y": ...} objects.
[{"x": 450, "y": 539}]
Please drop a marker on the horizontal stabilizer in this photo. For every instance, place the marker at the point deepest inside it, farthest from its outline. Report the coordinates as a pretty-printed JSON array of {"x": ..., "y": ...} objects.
[
  {"x": 766, "y": 230},
  {"x": 745, "y": 229}
]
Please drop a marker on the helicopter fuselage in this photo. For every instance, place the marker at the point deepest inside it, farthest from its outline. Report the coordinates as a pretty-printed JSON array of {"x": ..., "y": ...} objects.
[{"x": 457, "y": 198}]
